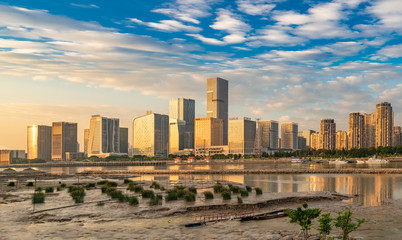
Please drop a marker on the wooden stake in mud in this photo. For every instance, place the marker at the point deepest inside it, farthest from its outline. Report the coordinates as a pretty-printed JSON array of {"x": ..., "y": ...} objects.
[{"x": 34, "y": 196}]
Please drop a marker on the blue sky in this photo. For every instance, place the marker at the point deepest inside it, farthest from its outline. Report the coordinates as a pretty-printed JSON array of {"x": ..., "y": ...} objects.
[{"x": 295, "y": 61}]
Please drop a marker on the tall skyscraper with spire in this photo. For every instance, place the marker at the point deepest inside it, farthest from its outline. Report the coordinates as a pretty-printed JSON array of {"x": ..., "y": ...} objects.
[{"x": 218, "y": 102}]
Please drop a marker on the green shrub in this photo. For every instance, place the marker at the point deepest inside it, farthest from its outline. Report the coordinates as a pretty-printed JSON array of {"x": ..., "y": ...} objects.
[
  {"x": 138, "y": 189},
  {"x": 90, "y": 185},
  {"x": 38, "y": 197},
  {"x": 133, "y": 200},
  {"x": 123, "y": 198},
  {"x": 249, "y": 189},
  {"x": 179, "y": 187},
  {"x": 181, "y": 193},
  {"x": 112, "y": 184},
  {"x": 303, "y": 216},
  {"x": 226, "y": 195},
  {"x": 208, "y": 195},
  {"x": 193, "y": 190},
  {"x": 155, "y": 200},
  {"x": 58, "y": 189},
  {"x": 234, "y": 189},
  {"x": 243, "y": 193},
  {"x": 325, "y": 225},
  {"x": 30, "y": 184},
  {"x": 100, "y": 203},
  {"x": 345, "y": 222},
  {"x": 147, "y": 194},
  {"x": 218, "y": 188},
  {"x": 49, "y": 190},
  {"x": 258, "y": 191},
  {"x": 159, "y": 196},
  {"x": 189, "y": 196},
  {"x": 171, "y": 196},
  {"x": 63, "y": 185},
  {"x": 126, "y": 181},
  {"x": 11, "y": 184},
  {"x": 103, "y": 182},
  {"x": 155, "y": 185},
  {"x": 77, "y": 193},
  {"x": 38, "y": 189},
  {"x": 239, "y": 200}
]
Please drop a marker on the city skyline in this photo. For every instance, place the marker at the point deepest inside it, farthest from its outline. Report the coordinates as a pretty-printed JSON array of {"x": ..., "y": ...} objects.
[{"x": 288, "y": 62}]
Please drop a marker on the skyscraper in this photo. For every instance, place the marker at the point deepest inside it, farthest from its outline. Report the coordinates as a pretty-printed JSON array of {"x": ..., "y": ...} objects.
[
  {"x": 241, "y": 136},
  {"x": 307, "y": 135},
  {"x": 86, "y": 139},
  {"x": 217, "y": 102},
  {"x": 356, "y": 131},
  {"x": 328, "y": 131},
  {"x": 104, "y": 136},
  {"x": 123, "y": 140},
  {"x": 64, "y": 139},
  {"x": 316, "y": 141},
  {"x": 341, "y": 140},
  {"x": 183, "y": 110},
  {"x": 208, "y": 132},
  {"x": 384, "y": 124},
  {"x": 269, "y": 133},
  {"x": 151, "y": 135},
  {"x": 39, "y": 142},
  {"x": 289, "y": 136},
  {"x": 397, "y": 138},
  {"x": 369, "y": 129}
]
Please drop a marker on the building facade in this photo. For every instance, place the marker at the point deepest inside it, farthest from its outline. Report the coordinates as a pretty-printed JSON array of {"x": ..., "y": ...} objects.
[
  {"x": 4, "y": 157},
  {"x": 176, "y": 135},
  {"x": 307, "y": 135},
  {"x": 39, "y": 142},
  {"x": 356, "y": 131},
  {"x": 182, "y": 120},
  {"x": 208, "y": 132},
  {"x": 384, "y": 124},
  {"x": 241, "y": 136},
  {"x": 86, "y": 139},
  {"x": 328, "y": 131},
  {"x": 123, "y": 140},
  {"x": 316, "y": 141},
  {"x": 218, "y": 103},
  {"x": 369, "y": 129},
  {"x": 289, "y": 136},
  {"x": 341, "y": 140},
  {"x": 301, "y": 144},
  {"x": 269, "y": 134},
  {"x": 397, "y": 138},
  {"x": 64, "y": 139},
  {"x": 17, "y": 154},
  {"x": 104, "y": 136},
  {"x": 151, "y": 135}
]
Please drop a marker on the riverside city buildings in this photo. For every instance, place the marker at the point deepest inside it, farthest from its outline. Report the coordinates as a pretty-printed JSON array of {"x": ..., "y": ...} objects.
[
  {"x": 218, "y": 103},
  {"x": 384, "y": 124},
  {"x": 397, "y": 137},
  {"x": 181, "y": 124},
  {"x": 64, "y": 139},
  {"x": 269, "y": 134},
  {"x": 289, "y": 136},
  {"x": 307, "y": 135},
  {"x": 356, "y": 131},
  {"x": 369, "y": 129},
  {"x": 241, "y": 136},
  {"x": 341, "y": 140},
  {"x": 39, "y": 144},
  {"x": 123, "y": 140},
  {"x": 151, "y": 135},
  {"x": 103, "y": 136},
  {"x": 328, "y": 131}
]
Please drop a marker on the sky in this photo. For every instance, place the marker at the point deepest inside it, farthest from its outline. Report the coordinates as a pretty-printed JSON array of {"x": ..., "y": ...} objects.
[{"x": 292, "y": 60}]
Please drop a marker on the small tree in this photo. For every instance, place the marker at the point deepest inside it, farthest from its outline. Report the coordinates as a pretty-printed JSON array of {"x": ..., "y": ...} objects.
[
  {"x": 344, "y": 221},
  {"x": 325, "y": 225},
  {"x": 303, "y": 217}
]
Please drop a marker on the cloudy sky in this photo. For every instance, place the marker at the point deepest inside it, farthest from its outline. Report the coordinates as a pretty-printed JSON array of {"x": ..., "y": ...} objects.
[{"x": 288, "y": 60}]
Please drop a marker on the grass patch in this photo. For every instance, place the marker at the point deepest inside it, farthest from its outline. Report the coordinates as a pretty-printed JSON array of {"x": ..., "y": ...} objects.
[
  {"x": 243, "y": 193},
  {"x": 193, "y": 190},
  {"x": 38, "y": 197},
  {"x": 249, "y": 189},
  {"x": 208, "y": 195},
  {"x": 239, "y": 200},
  {"x": 258, "y": 191},
  {"x": 63, "y": 185},
  {"x": 49, "y": 189},
  {"x": 29, "y": 184},
  {"x": 147, "y": 194},
  {"x": 133, "y": 201},
  {"x": 226, "y": 195},
  {"x": 103, "y": 182}
]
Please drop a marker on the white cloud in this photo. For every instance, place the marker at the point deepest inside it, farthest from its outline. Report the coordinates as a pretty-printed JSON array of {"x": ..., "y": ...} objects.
[
  {"x": 207, "y": 40},
  {"x": 168, "y": 25},
  {"x": 392, "y": 51},
  {"x": 84, "y": 5},
  {"x": 255, "y": 7},
  {"x": 232, "y": 24}
]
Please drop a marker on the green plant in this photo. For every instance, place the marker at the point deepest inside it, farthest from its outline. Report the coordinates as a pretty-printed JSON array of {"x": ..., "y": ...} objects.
[
  {"x": 155, "y": 185},
  {"x": 325, "y": 225},
  {"x": 208, "y": 195},
  {"x": 126, "y": 181},
  {"x": 112, "y": 184},
  {"x": 258, "y": 191},
  {"x": 179, "y": 187},
  {"x": 218, "y": 188},
  {"x": 38, "y": 189},
  {"x": 11, "y": 184},
  {"x": 147, "y": 194},
  {"x": 90, "y": 185},
  {"x": 38, "y": 197},
  {"x": 243, "y": 193},
  {"x": 180, "y": 193},
  {"x": 102, "y": 182},
  {"x": 58, "y": 189},
  {"x": 77, "y": 193},
  {"x": 239, "y": 200},
  {"x": 171, "y": 196},
  {"x": 100, "y": 203},
  {"x": 345, "y": 222},
  {"x": 133, "y": 200},
  {"x": 63, "y": 185},
  {"x": 304, "y": 216},
  {"x": 226, "y": 195},
  {"x": 30, "y": 184},
  {"x": 49, "y": 190},
  {"x": 189, "y": 197},
  {"x": 234, "y": 189},
  {"x": 249, "y": 189},
  {"x": 155, "y": 200},
  {"x": 193, "y": 190}
]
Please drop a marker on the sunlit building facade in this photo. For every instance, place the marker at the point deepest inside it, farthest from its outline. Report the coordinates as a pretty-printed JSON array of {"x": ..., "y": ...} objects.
[
  {"x": 4, "y": 157},
  {"x": 328, "y": 131},
  {"x": 269, "y": 134},
  {"x": 397, "y": 137},
  {"x": 181, "y": 124},
  {"x": 64, "y": 139},
  {"x": 384, "y": 124},
  {"x": 218, "y": 103},
  {"x": 369, "y": 129},
  {"x": 241, "y": 136},
  {"x": 307, "y": 135},
  {"x": 341, "y": 140},
  {"x": 356, "y": 131},
  {"x": 208, "y": 132},
  {"x": 86, "y": 139},
  {"x": 104, "y": 136},
  {"x": 316, "y": 141},
  {"x": 39, "y": 142},
  {"x": 123, "y": 140},
  {"x": 176, "y": 135},
  {"x": 289, "y": 136},
  {"x": 151, "y": 135}
]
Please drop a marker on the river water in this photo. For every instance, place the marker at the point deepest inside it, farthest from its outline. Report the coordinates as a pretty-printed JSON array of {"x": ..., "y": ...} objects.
[{"x": 372, "y": 189}]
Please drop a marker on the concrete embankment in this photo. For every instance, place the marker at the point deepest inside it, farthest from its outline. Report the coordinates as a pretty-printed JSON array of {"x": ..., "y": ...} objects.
[
  {"x": 91, "y": 164},
  {"x": 247, "y": 171}
]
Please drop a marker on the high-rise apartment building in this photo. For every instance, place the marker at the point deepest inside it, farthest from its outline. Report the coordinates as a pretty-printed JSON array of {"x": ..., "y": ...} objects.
[
  {"x": 182, "y": 117},
  {"x": 64, "y": 139},
  {"x": 208, "y": 132},
  {"x": 218, "y": 103},
  {"x": 39, "y": 142},
  {"x": 289, "y": 136},
  {"x": 356, "y": 131},
  {"x": 317, "y": 141},
  {"x": 4, "y": 157},
  {"x": 241, "y": 136},
  {"x": 151, "y": 135},
  {"x": 328, "y": 131},
  {"x": 307, "y": 135},
  {"x": 301, "y": 144},
  {"x": 86, "y": 139},
  {"x": 384, "y": 124},
  {"x": 123, "y": 140},
  {"x": 369, "y": 129},
  {"x": 104, "y": 136},
  {"x": 397, "y": 138},
  {"x": 269, "y": 134},
  {"x": 341, "y": 140}
]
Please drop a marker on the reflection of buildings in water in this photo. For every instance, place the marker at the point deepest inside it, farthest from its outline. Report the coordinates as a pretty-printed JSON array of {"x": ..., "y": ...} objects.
[
  {"x": 56, "y": 170},
  {"x": 268, "y": 183},
  {"x": 375, "y": 189},
  {"x": 82, "y": 169},
  {"x": 142, "y": 168},
  {"x": 202, "y": 167}
]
